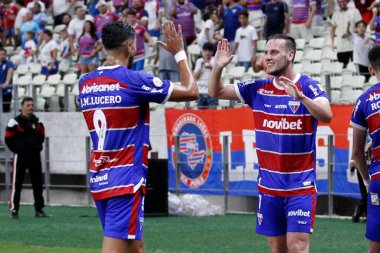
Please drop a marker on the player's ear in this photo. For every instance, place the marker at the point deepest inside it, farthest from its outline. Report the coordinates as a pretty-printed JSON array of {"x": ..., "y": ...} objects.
[
  {"x": 130, "y": 48},
  {"x": 371, "y": 71},
  {"x": 291, "y": 55}
]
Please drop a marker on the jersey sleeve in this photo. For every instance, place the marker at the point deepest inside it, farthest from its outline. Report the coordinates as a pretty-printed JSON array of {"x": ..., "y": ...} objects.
[
  {"x": 314, "y": 91},
  {"x": 246, "y": 91},
  {"x": 358, "y": 117},
  {"x": 149, "y": 88}
]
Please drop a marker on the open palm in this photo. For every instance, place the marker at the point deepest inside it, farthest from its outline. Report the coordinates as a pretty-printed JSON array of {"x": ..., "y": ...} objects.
[{"x": 223, "y": 54}]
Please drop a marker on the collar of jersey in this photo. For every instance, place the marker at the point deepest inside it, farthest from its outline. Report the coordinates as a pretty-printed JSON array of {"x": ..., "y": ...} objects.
[
  {"x": 108, "y": 67},
  {"x": 294, "y": 81}
]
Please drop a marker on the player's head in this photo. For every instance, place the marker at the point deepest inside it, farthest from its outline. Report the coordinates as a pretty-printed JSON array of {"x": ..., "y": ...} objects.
[
  {"x": 280, "y": 51},
  {"x": 119, "y": 40},
  {"x": 374, "y": 60}
]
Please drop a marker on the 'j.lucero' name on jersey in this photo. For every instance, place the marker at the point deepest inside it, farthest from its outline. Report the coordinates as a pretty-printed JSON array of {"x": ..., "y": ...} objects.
[
  {"x": 285, "y": 135},
  {"x": 115, "y": 104},
  {"x": 366, "y": 116}
]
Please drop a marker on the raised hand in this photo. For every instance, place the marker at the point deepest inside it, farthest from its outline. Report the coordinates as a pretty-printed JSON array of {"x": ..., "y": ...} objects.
[
  {"x": 290, "y": 88},
  {"x": 223, "y": 54},
  {"x": 174, "y": 40}
]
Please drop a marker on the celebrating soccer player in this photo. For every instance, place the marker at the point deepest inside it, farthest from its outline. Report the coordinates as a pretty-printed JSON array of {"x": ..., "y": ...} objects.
[
  {"x": 286, "y": 111},
  {"x": 366, "y": 117},
  {"x": 115, "y": 103}
]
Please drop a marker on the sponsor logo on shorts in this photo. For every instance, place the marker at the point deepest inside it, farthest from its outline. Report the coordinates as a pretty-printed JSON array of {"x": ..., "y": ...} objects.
[
  {"x": 302, "y": 222},
  {"x": 374, "y": 199},
  {"x": 260, "y": 218},
  {"x": 141, "y": 223},
  {"x": 299, "y": 213}
]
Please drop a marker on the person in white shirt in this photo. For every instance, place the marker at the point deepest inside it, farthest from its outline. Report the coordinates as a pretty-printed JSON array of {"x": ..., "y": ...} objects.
[
  {"x": 27, "y": 54},
  {"x": 202, "y": 72},
  {"x": 18, "y": 21},
  {"x": 75, "y": 28},
  {"x": 362, "y": 43},
  {"x": 31, "y": 4},
  {"x": 48, "y": 54},
  {"x": 339, "y": 22},
  {"x": 64, "y": 48},
  {"x": 208, "y": 30},
  {"x": 245, "y": 41},
  {"x": 155, "y": 11},
  {"x": 60, "y": 7}
]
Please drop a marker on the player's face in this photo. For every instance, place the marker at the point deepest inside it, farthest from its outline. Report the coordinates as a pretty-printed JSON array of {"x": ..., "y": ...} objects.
[
  {"x": 277, "y": 57},
  {"x": 361, "y": 28}
]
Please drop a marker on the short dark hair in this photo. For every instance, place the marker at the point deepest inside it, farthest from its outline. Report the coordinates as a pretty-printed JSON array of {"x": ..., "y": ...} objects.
[
  {"x": 115, "y": 33},
  {"x": 26, "y": 99},
  {"x": 374, "y": 57},
  {"x": 208, "y": 46},
  {"x": 48, "y": 33},
  {"x": 20, "y": 2},
  {"x": 244, "y": 13},
  {"x": 31, "y": 33},
  {"x": 3, "y": 50},
  {"x": 361, "y": 22},
  {"x": 290, "y": 42}
]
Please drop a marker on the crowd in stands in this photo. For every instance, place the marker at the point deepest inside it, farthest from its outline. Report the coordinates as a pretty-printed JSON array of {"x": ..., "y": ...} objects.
[{"x": 64, "y": 37}]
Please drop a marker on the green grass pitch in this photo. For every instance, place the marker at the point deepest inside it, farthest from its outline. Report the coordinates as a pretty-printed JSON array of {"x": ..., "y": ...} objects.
[{"x": 77, "y": 230}]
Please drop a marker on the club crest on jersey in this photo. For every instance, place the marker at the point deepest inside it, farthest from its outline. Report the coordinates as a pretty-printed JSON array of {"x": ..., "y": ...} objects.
[
  {"x": 294, "y": 105},
  {"x": 195, "y": 149},
  {"x": 260, "y": 218}
]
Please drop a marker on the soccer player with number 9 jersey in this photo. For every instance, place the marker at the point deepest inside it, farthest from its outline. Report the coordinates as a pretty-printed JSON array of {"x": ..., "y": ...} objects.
[{"x": 115, "y": 104}]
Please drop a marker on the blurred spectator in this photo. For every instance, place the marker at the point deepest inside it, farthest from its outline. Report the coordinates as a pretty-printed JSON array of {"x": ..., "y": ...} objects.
[
  {"x": 59, "y": 9},
  {"x": 48, "y": 54},
  {"x": 362, "y": 43},
  {"x": 27, "y": 54},
  {"x": 339, "y": 23},
  {"x": 155, "y": 11},
  {"x": 202, "y": 72},
  {"x": 64, "y": 48},
  {"x": 142, "y": 35},
  {"x": 256, "y": 15},
  {"x": 19, "y": 19},
  {"x": 119, "y": 5},
  {"x": 364, "y": 8},
  {"x": 31, "y": 4},
  {"x": 208, "y": 30},
  {"x": 182, "y": 11},
  {"x": 318, "y": 16},
  {"x": 334, "y": 6},
  {"x": 231, "y": 19},
  {"x": 92, "y": 9},
  {"x": 6, "y": 74},
  {"x": 89, "y": 47},
  {"x": 9, "y": 13},
  {"x": 277, "y": 21},
  {"x": 29, "y": 25},
  {"x": 66, "y": 19},
  {"x": 141, "y": 13},
  {"x": 303, "y": 13},
  {"x": 245, "y": 45},
  {"x": 75, "y": 28},
  {"x": 374, "y": 24},
  {"x": 104, "y": 17},
  {"x": 39, "y": 16},
  {"x": 167, "y": 66}
]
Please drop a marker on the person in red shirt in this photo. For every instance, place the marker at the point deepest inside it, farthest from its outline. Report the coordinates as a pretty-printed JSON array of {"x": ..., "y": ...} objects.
[{"x": 9, "y": 13}]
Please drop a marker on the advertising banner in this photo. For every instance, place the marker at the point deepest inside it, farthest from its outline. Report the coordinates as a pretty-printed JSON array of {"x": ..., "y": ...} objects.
[{"x": 201, "y": 134}]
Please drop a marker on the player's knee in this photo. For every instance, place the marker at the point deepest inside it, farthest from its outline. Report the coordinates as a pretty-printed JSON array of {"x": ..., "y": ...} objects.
[
  {"x": 135, "y": 246},
  {"x": 298, "y": 246}
]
